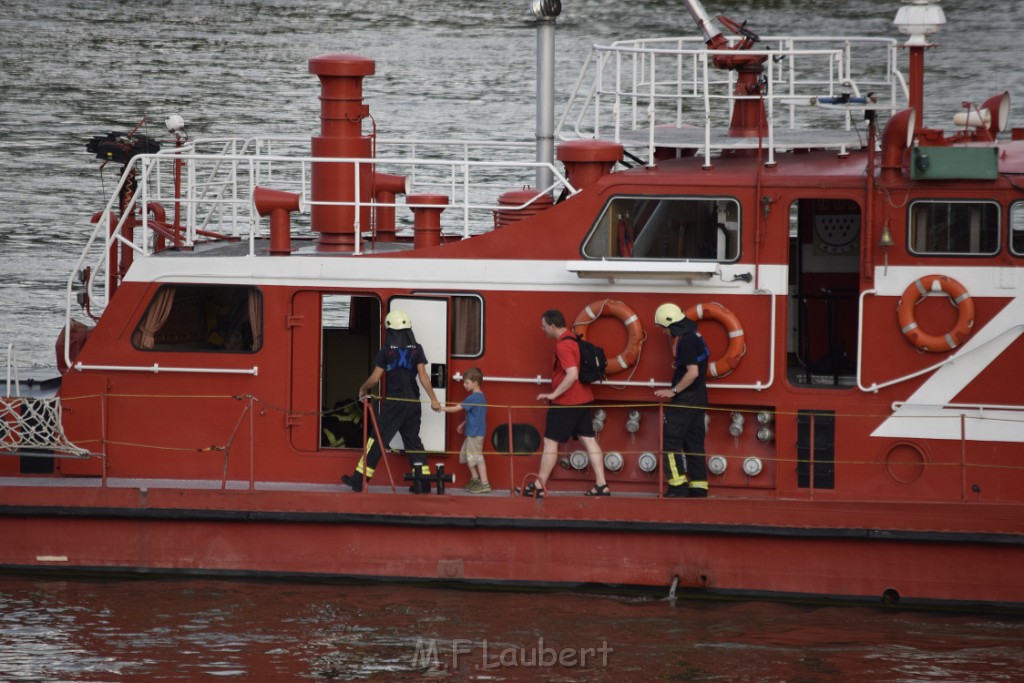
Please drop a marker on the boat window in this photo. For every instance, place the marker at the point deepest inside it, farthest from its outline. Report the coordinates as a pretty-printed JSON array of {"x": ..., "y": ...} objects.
[
  {"x": 1017, "y": 228},
  {"x": 691, "y": 228},
  {"x": 467, "y": 326},
  {"x": 954, "y": 227},
  {"x": 225, "y": 318}
]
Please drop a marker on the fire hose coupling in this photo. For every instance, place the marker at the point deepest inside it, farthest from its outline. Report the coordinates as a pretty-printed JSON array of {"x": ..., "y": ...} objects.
[
  {"x": 579, "y": 460},
  {"x": 647, "y": 462},
  {"x": 613, "y": 461},
  {"x": 765, "y": 432},
  {"x": 736, "y": 427}
]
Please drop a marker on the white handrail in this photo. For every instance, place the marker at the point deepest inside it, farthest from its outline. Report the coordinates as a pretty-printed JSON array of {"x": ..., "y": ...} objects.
[
  {"x": 156, "y": 368},
  {"x": 633, "y": 77},
  {"x": 758, "y": 386},
  {"x": 218, "y": 187},
  {"x": 963, "y": 353},
  {"x": 12, "y": 370}
]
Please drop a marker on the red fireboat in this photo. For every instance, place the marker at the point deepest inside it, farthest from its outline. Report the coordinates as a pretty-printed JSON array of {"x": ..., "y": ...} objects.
[{"x": 857, "y": 276}]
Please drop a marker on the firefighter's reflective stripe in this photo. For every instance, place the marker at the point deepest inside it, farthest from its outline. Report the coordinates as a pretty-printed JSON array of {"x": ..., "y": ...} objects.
[
  {"x": 676, "y": 469},
  {"x": 361, "y": 468}
]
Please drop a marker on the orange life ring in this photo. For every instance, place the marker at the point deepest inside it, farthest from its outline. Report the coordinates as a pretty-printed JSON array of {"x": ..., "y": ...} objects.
[
  {"x": 960, "y": 299},
  {"x": 737, "y": 345},
  {"x": 634, "y": 331}
]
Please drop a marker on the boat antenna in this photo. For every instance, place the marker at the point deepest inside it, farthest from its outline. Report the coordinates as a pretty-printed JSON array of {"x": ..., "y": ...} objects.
[{"x": 546, "y": 12}]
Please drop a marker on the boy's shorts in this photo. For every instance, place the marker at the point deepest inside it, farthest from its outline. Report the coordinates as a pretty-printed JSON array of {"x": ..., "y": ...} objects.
[{"x": 472, "y": 452}]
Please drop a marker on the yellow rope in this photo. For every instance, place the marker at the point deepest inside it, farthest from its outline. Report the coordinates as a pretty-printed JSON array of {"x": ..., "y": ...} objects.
[{"x": 528, "y": 407}]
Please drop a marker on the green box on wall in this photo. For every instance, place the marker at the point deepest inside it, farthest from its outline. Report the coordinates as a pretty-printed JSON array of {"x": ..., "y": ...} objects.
[{"x": 954, "y": 163}]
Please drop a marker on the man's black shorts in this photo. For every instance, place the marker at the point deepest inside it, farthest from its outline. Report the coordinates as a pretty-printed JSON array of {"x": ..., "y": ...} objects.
[{"x": 568, "y": 421}]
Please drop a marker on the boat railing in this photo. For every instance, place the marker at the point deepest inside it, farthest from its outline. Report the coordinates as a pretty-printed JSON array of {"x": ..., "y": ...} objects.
[
  {"x": 667, "y": 92},
  {"x": 203, "y": 191},
  {"x": 12, "y": 372}
]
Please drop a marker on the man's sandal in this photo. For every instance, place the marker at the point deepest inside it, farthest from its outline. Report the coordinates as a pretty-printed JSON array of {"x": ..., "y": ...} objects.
[
  {"x": 531, "y": 490},
  {"x": 601, "y": 490}
]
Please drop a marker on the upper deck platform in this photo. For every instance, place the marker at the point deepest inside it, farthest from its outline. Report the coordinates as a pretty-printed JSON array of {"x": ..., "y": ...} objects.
[{"x": 666, "y": 93}]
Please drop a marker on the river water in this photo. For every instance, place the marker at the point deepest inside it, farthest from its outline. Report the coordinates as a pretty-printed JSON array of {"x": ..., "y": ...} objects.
[
  {"x": 72, "y": 69},
  {"x": 190, "y": 630}
]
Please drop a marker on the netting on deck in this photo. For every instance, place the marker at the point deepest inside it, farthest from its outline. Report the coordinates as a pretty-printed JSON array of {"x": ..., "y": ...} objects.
[{"x": 34, "y": 424}]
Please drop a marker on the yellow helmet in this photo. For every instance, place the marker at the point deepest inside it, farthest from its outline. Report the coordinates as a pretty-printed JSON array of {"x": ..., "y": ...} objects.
[
  {"x": 397, "y": 320},
  {"x": 667, "y": 314}
]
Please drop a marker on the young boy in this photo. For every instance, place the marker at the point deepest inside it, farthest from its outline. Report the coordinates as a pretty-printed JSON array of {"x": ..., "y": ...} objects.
[{"x": 474, "y": 428}]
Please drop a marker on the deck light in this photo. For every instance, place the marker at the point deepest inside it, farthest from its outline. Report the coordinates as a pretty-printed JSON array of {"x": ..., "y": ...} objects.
[
  {"x": 546, "y": 9},
  {"x": 174, "y": 123},
  {"x": 919, "y": 19}
]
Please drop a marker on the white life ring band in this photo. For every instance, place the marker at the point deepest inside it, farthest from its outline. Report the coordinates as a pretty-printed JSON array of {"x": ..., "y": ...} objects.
[
  {"x": 961, "y": 300},
  {"x": 634, "y": 331},
  {"x": 737, "y": 347}
]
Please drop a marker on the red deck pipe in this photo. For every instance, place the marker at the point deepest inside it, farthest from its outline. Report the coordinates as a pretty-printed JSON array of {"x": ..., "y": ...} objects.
[
  {"x": 385, "y": 187},
  {"x": 341, "y": 135},
  {"x": 278, "y": 205},
  {"x": 899, "y": 133},
  {"x": 426, "y": 222},
  {"x": 587, "y": 161}
]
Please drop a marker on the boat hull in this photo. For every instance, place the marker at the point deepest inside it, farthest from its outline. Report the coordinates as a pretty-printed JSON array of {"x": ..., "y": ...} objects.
[{"x": 910, "y": 553}]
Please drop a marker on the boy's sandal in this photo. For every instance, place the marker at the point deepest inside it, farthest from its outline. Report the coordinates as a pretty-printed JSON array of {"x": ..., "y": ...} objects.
[
  {"x": 531, "y": 490},
  {"x": 601, "y": 490}
]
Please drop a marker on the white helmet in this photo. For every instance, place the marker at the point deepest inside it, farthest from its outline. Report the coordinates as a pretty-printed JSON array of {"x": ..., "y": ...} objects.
[
  {"x": 397, "y": 320},
  {"x": 668, "y": 314}
]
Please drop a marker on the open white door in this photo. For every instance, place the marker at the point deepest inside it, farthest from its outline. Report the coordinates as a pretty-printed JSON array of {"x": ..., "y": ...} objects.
[{"x": 430, "y": 325}]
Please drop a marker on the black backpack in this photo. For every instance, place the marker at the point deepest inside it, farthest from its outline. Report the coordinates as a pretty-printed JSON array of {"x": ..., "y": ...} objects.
[{"x": 592, "y": 361}]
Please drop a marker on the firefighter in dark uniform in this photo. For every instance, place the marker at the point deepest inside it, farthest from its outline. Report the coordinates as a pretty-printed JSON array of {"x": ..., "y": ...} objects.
[
  {"x": 683, "y": 436},
  {"x": 403, "y": 361}
]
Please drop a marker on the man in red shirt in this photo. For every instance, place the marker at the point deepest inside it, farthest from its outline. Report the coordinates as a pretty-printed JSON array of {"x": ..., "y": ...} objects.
[{"x": 570, "y": 411}]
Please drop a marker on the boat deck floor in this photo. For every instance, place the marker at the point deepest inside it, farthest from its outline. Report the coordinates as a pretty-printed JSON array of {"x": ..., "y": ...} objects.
[{"x": 238, "y": 485}]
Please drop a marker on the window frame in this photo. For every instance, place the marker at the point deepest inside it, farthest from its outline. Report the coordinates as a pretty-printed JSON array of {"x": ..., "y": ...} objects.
[
  {"x": 1013, "y": 208},
  {"x": 910, "y": 236},
  {"x": 138, "y": 334},
  {"x": 599, "y": 224}
]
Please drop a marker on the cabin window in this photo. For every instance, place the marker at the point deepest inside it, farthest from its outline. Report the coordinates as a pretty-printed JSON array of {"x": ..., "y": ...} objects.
[
  {"x": 691, "y": 228},
  {"x": 223, "y": 318},
  {"x": 1017, "y": 228},
  {"x": 952, "y": 227},
  {"x": 467, "y": 326}
]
